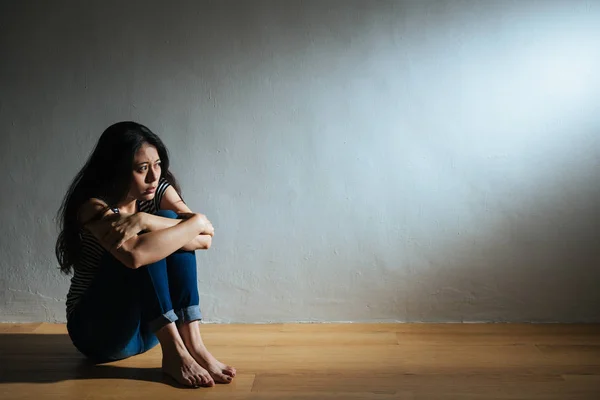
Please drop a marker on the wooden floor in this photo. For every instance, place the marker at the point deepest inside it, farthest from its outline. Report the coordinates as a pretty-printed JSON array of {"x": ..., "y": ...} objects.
[{"x": 325, "y": 361}]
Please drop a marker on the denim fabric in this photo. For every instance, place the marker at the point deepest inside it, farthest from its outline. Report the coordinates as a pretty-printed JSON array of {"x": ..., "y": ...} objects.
[{"x": 117, "y": 316}]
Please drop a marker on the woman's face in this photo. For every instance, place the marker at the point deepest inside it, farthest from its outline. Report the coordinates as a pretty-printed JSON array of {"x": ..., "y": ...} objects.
[{"x": 146, "y": 173}]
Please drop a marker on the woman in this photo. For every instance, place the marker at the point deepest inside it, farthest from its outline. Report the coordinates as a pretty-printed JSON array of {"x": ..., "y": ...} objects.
[{"x": 130, "y": 240}]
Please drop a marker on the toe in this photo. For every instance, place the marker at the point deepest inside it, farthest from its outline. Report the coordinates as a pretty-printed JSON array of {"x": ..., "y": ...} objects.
[
  {"x": 207, "y": 380},
  {"x": 229, "y": 371},
  {"x": 190, "y": 382},
  {"x": 199, "y": 380},
  {"x": 223, "y": 378}
]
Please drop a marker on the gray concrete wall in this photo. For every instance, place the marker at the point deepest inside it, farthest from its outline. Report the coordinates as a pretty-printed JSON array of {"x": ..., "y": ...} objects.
[{"x": 361, "y": 161}]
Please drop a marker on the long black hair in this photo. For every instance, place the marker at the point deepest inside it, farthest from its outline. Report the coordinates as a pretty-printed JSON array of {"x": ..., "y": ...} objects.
[{"x": 106, "y": 175}]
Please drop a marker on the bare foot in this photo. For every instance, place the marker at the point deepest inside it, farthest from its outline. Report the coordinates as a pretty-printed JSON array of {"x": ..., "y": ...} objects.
[
  {"x": 220, "y": 372},
  {"x": 185, "y": 370},
  {"x": 190, "y": 333}
]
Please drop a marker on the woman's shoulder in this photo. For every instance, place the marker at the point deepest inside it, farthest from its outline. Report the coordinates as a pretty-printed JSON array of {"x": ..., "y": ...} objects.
[
  {"x": 163, "y": 182},
  {"x": 92, "y": 209}
]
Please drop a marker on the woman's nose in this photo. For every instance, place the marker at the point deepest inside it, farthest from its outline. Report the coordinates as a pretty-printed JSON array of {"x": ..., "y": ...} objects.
[{"x": 152, "y": 175}]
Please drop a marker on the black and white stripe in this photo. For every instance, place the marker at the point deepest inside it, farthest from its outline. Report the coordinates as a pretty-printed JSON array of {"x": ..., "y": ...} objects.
[{"x": 92, "y": 252}]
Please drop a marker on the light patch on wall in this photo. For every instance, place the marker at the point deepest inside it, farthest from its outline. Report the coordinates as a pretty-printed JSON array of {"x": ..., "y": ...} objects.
[{"x": 565, "y": 69}]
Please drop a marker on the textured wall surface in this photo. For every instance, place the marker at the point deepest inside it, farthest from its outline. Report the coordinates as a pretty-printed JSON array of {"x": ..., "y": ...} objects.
[{"x": 361, "y": 161}]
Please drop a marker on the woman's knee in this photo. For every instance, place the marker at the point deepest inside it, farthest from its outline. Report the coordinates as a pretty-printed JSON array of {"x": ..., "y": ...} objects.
[{"x": 167, "y": 214}]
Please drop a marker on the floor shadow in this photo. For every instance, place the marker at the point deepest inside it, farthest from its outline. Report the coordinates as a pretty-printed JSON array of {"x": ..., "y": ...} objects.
[{"x": 30, "y": 358}]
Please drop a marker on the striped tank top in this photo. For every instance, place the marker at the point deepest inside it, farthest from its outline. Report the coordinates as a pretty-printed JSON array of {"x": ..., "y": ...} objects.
[{"x": 92, "y": 252}]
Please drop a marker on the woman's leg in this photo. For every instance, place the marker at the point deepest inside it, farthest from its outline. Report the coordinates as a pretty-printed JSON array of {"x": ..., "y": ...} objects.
[
  {"x": 183, "y": 286},
  {"x": 159, "y": 317},
  {"x": 126, "y": 312},
  {"x": 106, "y": 324}
]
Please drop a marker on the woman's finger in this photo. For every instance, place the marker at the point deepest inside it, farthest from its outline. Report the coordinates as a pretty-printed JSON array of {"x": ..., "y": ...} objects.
[{"x": 124, "y": 239}]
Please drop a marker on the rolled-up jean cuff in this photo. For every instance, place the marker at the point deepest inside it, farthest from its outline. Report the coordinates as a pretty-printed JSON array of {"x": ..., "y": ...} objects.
[
  {"x": 189, "y": 314},
  {"x": 163, "y": 320}
]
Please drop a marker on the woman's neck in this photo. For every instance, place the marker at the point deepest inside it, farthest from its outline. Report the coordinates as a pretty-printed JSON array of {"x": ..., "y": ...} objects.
[{"x": 128, "y": 206}]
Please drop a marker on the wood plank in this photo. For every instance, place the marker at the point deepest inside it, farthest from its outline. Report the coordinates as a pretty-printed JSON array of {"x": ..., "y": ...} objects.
[
  {"x": 496, "y": 339},
  {"x": 570, "y": 354},
  {"x": 457, "y": 328},
  {"x": 51, "y": 329},
  {"x": 240, "y": 328},
  {"x": 329, "y": 361},
  {"x": 403, "y": 358},
  {"x": 334, "y": 339},
  {"x": 583, "y": 379},
  {"x": 389, "y": 383},
  {"x": 20, "y": 328},
  {"x": 215, "y": 393},
  {"x": 342, "y": 327}
]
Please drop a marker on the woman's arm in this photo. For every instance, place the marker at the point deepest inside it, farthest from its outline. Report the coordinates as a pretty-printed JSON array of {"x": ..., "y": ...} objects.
[
  {"x": 129, "y": 225},
  {"x": 153, "y": 246},
  {"x": 172, "y": 201},
  {"x": 201, "y": 242},
  {"x": 156, "y": 222},
  {"x": 143, "y": 249}
]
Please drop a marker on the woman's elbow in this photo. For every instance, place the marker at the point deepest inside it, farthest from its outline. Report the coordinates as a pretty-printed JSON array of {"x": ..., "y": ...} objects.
[
  {"x": 132, "y": 259},
  {"x": 205, "y": 242},
  {"x": 129, "y": 255}
]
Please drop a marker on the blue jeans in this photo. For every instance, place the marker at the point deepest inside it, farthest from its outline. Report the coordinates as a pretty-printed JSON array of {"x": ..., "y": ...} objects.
[{"x": 118, "y": 314}]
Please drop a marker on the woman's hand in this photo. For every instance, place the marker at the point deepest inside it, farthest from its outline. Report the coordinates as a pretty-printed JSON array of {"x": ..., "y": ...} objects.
[
  {"x": 206, "y": 226},
  {"x": 201, "y": 242},
  {"x": 125, "y": 228}
]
